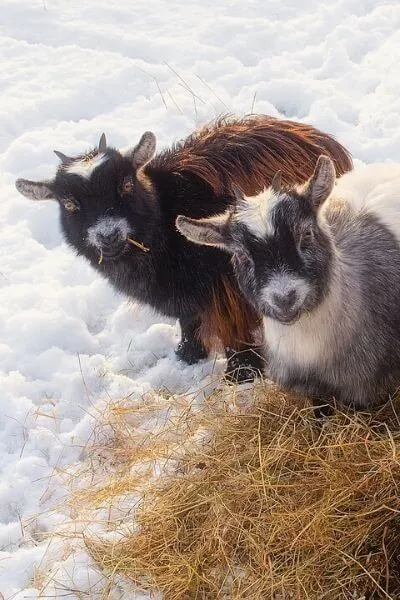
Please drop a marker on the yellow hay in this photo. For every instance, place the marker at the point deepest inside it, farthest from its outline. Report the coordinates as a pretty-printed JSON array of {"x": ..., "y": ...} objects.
[{"x": 254, "y": 499}]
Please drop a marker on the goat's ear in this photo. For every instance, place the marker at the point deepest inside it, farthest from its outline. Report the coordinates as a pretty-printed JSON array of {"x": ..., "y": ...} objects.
[
  {"x": 212, "y": 231},
  {"x": 144, "y": 151},
  {"x": 35, "y": 190},
  {"x": 318, "y": 188}
]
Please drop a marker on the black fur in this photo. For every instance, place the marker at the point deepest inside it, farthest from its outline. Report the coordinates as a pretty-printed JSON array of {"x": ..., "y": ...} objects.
[{"x": 175, "y": 277}]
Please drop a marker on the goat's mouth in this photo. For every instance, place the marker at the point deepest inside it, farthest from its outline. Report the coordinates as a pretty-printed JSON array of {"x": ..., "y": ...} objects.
[
  {"x": 115, "y": 251},
  {"x": 110, "y": 253}
]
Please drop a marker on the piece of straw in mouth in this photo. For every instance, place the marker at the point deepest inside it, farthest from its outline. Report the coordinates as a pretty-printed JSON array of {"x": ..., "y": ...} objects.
[
  {"x": 101, "y": 257},
  {"x": 138, "y": 244}
]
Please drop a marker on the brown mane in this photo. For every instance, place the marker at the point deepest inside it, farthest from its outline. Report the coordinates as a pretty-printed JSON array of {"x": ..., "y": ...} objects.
[
  {"x": 247, "y": 152},
  {"x": 230, "y": 321}
]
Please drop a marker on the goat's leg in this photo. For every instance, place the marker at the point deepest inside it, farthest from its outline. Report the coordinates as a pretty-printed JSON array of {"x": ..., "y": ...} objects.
[
  {"x": 321, "y": 396},
  {"x": 319, "y": 393},
  {"x": 190, "y": 349}
]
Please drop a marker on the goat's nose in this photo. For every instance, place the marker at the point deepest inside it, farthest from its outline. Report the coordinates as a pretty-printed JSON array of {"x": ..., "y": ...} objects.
[{"x": 285, "y": 301}]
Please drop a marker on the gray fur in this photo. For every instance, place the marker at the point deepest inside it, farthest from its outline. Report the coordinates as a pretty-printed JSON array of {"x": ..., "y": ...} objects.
[
  {"x": 35, "y": 190},
  {"x": 360, "y": 360}
]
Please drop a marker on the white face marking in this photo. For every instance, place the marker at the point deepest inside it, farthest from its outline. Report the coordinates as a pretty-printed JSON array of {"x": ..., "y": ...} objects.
[
  {"x": 281, "y": 285},
  {"x": 84, "y": 168},
  {"x": 256, "y": 213},
  {"x": 105, "y": 227}
]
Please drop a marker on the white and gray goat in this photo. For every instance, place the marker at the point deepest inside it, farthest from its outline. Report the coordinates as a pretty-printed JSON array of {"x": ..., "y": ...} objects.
[{"x": 322, "y": 264}]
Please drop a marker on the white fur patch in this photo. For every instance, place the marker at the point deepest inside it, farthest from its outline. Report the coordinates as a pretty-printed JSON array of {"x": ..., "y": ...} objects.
[
  {"x": 302, "y": 345},
  {"x": 316, "y": 336},
  {"x": 373, "y": 189},
  {"x": 85, "y": 167},
  {"x": 105, "y": 227},
  {"x": 255, "y": 213},
  {"x": 281, "y": 285}
]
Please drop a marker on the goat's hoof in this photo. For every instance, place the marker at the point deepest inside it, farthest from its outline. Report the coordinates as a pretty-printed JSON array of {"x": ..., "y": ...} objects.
[
  {"x": 190, "y": 352},
  {"x": 244, "y": 367},
  {"x": 241, "y": 375},
  {"x": 322, "y": 410}
]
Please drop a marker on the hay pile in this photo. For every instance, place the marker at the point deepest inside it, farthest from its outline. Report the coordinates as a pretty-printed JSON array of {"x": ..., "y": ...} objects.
[{"x": 253, "y": 499}]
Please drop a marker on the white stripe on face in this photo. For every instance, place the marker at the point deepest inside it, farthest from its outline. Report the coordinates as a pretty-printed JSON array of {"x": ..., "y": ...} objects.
[
  {"x": 256, "y": 212},
  {"x": 84, "y": 168},
  {"x": 281, "y": 285},
  {"x": 106, "y": 227}
]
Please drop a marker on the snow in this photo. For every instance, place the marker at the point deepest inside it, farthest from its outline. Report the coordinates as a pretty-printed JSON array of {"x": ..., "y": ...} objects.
[{"x": 69, "y": 71}]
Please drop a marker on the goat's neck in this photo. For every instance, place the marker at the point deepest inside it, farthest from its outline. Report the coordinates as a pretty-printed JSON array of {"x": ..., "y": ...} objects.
[{"x": 318, "y": 335}]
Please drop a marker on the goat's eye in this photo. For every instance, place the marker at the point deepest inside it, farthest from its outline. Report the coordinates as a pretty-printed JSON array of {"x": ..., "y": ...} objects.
[
  {"x": 71, "y": 206},
  {"x": 127, "y": 185},
  {"x": 306, "y": 239}
]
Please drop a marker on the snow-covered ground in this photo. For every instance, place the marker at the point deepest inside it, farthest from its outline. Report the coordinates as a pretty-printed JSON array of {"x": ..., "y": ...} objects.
[{"x": 71, "y": 69}]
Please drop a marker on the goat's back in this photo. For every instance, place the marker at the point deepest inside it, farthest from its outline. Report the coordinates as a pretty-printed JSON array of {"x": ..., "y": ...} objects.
[
  {"x": 247, "y": 153},
  {"x": 370, "y": 190}
]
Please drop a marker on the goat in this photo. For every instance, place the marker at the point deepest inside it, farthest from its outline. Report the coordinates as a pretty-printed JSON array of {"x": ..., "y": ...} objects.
[
  {"x": 119, "y": 211},
  {"x": 322, "y": 266}
]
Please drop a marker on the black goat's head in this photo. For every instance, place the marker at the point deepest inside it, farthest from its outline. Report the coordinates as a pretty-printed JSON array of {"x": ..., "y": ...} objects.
[
  {"x": 281, "y": 248},
  {"x": 102, "y": 200}
]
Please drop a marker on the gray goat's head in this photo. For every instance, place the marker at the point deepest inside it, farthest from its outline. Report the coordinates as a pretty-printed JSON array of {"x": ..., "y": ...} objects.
[{"x": 281, "y": 250}]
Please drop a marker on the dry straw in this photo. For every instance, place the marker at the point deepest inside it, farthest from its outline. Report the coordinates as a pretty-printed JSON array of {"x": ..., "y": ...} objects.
[{"x": 255, "y": 500}]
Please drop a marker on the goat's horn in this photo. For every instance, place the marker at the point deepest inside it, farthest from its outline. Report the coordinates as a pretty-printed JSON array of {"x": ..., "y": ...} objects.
[
  {"x": 277, "y": 182},
  {"x": 103, "y": 143},
  {"x": 237, "y": 193},
  {"x": 63, "y": 157}
]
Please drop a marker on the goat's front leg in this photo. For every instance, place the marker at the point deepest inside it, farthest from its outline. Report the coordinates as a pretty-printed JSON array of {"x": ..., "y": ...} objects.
[
  {"x": 320, "y": 394},
  {"x": 322, "y": 399},
  {"x": 190, "y": 349}
]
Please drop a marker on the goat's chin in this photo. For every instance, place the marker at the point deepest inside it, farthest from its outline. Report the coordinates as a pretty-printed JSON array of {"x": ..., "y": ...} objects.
[
  {"x": 289, "y": 318},
  {"x": 114, "y": 257}
]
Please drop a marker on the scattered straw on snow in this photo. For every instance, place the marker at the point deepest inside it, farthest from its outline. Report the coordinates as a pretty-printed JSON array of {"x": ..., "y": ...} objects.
[{"x": 246, "y": 496}]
